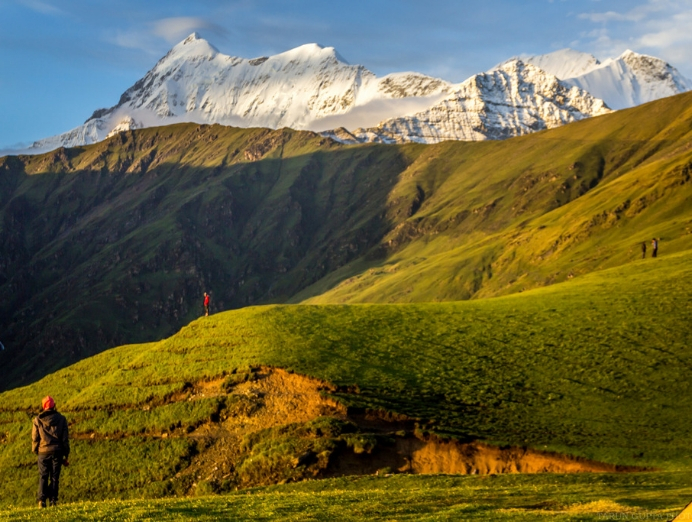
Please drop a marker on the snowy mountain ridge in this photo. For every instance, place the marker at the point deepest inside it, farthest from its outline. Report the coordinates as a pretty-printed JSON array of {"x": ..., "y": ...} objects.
[
  {"x": 511, "y": 100},
  {"x": 195, "y": 82},
  {"x": 626, "y": 81},
  {"x": 314, "y": 88}
]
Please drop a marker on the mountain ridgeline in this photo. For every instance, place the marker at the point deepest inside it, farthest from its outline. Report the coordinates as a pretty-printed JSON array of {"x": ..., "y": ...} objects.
[
  {"x": 196, "y": 83},
  {"x": 116, "y": 242}
]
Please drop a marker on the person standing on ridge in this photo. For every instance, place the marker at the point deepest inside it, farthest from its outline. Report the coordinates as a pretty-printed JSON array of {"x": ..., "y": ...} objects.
[
  {"x": 654, "y": 247},
  {"x": 206, "y": 304},
  {"x": 50, "y": 441},
  {"x": 643, "y": 249}
]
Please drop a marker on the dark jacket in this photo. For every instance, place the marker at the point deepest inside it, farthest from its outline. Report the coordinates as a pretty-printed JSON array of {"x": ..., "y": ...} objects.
[{"x": 49, "y": 434}]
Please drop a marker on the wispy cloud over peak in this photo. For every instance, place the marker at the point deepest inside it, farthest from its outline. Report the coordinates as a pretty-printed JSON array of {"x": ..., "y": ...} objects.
[
  {"x": 659, "y": 27},
  {"x": 175, "y": 29}
]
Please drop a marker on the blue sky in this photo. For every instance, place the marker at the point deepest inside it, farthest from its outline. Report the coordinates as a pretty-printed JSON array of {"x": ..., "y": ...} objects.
[{"x": 62, "y": 59}]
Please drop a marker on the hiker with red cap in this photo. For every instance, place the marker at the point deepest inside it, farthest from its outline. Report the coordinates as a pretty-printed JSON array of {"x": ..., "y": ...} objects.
[
  {"x": 50, "y": 441},
  {"x": 206, "y": 304}
]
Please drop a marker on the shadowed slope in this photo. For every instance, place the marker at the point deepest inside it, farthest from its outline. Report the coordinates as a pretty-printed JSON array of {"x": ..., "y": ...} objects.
[{"x": 117, "y": 242}]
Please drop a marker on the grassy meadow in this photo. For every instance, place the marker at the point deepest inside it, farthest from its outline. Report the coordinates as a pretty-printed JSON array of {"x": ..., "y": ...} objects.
[
  {"x": 652, "y": 496},
  {"x": 596, "y": 367}
]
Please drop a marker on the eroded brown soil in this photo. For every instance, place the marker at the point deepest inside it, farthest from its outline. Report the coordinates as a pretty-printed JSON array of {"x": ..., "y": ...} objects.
[
  {"x": 275, "y": 398},
  {"x": 278, "y": 398},
  {"x": 413, "y": 455}
]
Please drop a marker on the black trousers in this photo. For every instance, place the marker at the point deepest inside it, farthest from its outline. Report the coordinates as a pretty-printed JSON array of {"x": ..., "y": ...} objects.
[{"x": 49, "y": 465}]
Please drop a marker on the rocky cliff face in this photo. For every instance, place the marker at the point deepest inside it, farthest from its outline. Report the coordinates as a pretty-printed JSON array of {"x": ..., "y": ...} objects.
[{"x": 513, "y": 100}]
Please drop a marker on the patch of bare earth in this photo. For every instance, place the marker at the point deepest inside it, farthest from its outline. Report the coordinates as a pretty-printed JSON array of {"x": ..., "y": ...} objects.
[
  {"x": 277, "y": 398},
  {"x": 432, "y": 455}
]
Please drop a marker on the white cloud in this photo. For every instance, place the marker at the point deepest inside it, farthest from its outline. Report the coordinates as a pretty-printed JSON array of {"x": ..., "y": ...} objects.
[
  {"x": 134, "y": 39},
  {"x": 639, "y": 13},
  {"x": 664, "y": 34},
  {"x": 375, "y": 112},
  {"x": 661, "y": 28},
  {"x": 603, "y": 17},
  {"x": 174, "y": 30},
  {"x": 147, "y": 37}
]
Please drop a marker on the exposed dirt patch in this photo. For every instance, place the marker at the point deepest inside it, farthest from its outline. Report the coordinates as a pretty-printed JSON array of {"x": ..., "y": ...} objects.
[
  {"x": 273, "y": 426},
  {"x": 434, "y": 456},
  {"x": 267, "y": 434},
  {"x": 273, "y": 398},
  {"x": 200, "y": 390},
  {"x": 288, "y": 398},
  {"x": 431, "y": 455}
]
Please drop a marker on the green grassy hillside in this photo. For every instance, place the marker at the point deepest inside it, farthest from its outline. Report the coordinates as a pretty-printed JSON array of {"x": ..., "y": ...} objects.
[
  {"x": 114, "y": 243},
  {"x": 596, "y": 367},
  {"x": 502, "y": 217}
]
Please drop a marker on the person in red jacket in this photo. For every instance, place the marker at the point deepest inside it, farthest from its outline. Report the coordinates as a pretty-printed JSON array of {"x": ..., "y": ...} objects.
[
  {"x": 206, "y": 304},
  {"x": 50, "y": 441}
]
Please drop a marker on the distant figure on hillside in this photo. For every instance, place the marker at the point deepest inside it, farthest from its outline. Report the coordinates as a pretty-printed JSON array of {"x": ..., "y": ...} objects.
[
  {"x": 643, "y": 249},
  {"x": 206, "y": 304},
  {"x": 50, "y": 441},
  {"x": 654, "y": 247}
]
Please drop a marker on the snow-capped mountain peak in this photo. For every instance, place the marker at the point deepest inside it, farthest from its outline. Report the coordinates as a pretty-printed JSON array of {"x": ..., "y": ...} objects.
[
  {"x": 312, "y": 87},
  {"x": 193, "y": 47},
  {"x": 302, "y": 88},
  {"x": 652, "y": 70},
  {"x": 311, "y": 52},
  {"x": 513, "y": 99},
  {"x": 628, "y": 80}
]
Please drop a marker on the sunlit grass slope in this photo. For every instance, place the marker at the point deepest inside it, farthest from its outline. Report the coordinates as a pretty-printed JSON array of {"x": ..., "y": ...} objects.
[
  {"x": 597, "y": 367},
  {"x": 652, "y": 496},
  {"x": 494, "y": 218}
]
